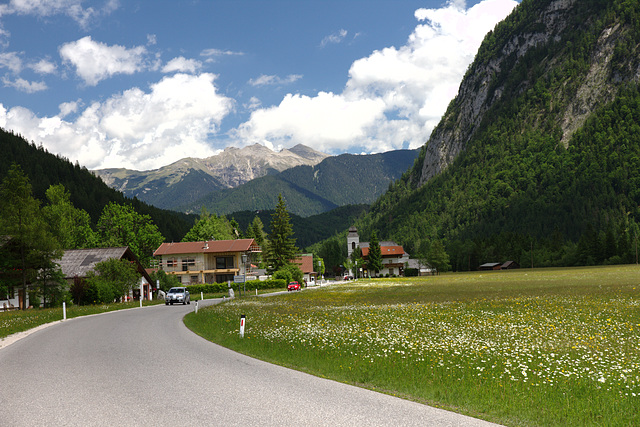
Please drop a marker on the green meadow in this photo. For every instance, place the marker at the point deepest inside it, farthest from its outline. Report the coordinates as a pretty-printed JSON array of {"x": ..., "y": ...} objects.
[{"x": 525, "y": 347}]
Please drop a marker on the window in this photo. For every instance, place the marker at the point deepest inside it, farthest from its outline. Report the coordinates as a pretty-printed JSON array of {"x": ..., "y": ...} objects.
[
  {"x": 172, "y": 263},
  {"x": 187, "y": 263},
  {"x": 224, "y": 262}
]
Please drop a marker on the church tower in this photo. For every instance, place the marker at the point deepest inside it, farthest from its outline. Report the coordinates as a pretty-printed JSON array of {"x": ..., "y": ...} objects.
[{"x": 353, "y": 240}]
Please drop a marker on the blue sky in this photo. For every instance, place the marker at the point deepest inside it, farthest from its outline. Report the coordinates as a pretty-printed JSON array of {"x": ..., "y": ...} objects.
[{"x": 141, "y": 84}]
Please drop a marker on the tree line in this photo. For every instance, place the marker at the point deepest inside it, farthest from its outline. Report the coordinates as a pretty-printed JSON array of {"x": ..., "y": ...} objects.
[{"x": 33, "y": 236}]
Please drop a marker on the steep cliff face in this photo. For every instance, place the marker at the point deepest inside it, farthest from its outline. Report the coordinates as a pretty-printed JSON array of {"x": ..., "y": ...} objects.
[{"x": 546, "y": 30}]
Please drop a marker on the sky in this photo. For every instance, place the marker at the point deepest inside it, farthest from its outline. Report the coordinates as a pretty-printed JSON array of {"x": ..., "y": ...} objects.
[{"x": 140, "y": 84}]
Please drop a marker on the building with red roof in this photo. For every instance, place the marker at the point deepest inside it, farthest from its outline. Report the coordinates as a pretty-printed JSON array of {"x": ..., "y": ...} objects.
[{"x": 211, "y": 261}]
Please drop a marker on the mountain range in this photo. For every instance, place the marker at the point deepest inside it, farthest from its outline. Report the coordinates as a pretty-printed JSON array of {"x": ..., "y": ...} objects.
[
  {"x": 251, "y": 178},
  {"x": 190, "y": 179}
]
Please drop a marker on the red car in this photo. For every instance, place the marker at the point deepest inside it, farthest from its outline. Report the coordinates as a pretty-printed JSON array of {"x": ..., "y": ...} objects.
[{"x": 293, "y": 286}]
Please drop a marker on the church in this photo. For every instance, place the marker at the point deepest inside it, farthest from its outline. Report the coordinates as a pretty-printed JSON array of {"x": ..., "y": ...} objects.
[{"x": 394, "y": 257}]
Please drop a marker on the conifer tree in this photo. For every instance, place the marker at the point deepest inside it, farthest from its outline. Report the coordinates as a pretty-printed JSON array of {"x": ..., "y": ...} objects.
[
  {"x": 374, "y": 260},
  {"x": 29, "y": 246},
  {"x": 281, "y": 247}
]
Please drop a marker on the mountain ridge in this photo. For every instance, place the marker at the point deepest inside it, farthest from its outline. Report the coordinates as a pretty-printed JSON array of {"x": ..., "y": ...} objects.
[
  {"x": 188, "y": 179},
  {"x": 536, "y": 159}
]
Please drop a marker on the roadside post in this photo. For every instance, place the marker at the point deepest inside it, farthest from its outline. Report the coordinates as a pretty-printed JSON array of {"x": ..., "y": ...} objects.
[
  {"x": 64, "y": 310},
  {"x": 242, "y": 320},
  {"x": 201, "y": 295},
  {"x": 196, "y": 307}
]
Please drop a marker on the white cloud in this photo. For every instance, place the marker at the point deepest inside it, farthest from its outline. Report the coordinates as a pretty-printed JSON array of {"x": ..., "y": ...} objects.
[
  {"x": 43, "y": 67},
  {"x": 213, "y": 54},
  {"x": 182, "y": 64},
  {"x": 334, "y": 38},
  {"x": 12, "y": 61},
  {"x": 394, "y": 97},
  {"x": 95, "y": 61},
  {"x": 265, "y": 80},
  {"x": 135, "y": 129},
  {"x": 72, "y": 8},
  {"x": 24, "y": 85},
  {"x": 67, "y": 108},
  {"x": 324, "y": 121}
]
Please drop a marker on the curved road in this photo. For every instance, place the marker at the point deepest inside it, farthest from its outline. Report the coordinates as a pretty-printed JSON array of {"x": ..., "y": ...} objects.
[{"x": 143, "y": 367}]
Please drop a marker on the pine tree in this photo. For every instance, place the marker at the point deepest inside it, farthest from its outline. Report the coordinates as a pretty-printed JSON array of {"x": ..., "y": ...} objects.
[
  {"x": 281, "y": 247},
  {"x": 374, "y": 260},
  {"x": 30, "y": 246}
]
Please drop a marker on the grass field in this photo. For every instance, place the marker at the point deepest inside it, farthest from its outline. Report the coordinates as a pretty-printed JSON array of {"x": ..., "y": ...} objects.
[
  {"x": 12, "y": 322},
  {"x": 527, "y": 347}
]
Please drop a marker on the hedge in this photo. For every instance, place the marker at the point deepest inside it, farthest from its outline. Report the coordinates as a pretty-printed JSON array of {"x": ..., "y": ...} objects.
[{"x": 218, "y": 288}]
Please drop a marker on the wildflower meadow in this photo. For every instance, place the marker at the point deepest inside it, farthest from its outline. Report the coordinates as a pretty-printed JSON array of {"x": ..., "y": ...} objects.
[{"x": 530, "y": 347}]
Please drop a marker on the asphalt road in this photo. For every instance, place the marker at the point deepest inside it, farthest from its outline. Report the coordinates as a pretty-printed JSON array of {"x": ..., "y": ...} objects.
[{"x": 143, "y": 367}]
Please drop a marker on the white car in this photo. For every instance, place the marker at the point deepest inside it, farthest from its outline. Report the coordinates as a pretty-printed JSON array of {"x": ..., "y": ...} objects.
[{"x": 178, "y": 295}]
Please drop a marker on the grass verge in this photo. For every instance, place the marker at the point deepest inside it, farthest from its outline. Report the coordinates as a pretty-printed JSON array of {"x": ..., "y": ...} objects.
[
  {"x": 528, "y": 347},
  {"x": 12, "y": 322}
]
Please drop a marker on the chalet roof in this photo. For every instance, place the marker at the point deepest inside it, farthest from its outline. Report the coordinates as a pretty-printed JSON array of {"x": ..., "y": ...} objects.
[
  {"x": 305, "y": 262},
  {"x": 208, "y": 247},
  {"x": 396, "y": 250},
  {"x": 78, "y": 262},
  {"x": 384, "y": 243}
]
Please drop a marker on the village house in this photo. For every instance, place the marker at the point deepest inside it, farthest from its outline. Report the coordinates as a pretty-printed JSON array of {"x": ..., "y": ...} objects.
[
  {"x": 211, "y": 261},
  {"x": 76, "y": 263},
  {"x": 305, "y": 263},
  {"x": 394, "y": 257}
]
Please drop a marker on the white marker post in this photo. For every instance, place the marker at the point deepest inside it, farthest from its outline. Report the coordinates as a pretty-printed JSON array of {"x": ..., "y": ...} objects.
[
  {"x": 201, "y": 295},
  {"x": 242, "y": 320},
  {"x": 196, "y": 307},
  {"x": 64, "y": 310}
]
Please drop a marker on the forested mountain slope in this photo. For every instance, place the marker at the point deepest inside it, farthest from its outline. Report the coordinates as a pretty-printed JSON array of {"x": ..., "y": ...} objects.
[
  {"x": 190, "y": 179},
  {"x": 87, "y": 191},
  {"x": 346, "y": 179},
  {"x": 537, "y": 159}
]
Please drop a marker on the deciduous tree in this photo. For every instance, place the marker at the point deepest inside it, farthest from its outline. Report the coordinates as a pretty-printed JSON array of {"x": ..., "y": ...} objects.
[
  {"x": 121, "y": 225},
  {"x": 71, "y": 226},
  {"x": 210, "y": 227}
]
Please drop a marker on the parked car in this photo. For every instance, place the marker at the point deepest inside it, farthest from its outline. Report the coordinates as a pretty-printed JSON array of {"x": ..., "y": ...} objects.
[
  {"x": 293, "y": 286},
  {"x": 180, "y": 295},
  {"x": 347, "y": 277}
]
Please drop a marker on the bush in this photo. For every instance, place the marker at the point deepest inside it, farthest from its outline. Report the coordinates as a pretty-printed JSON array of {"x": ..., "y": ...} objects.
[
  {"x": 222, "y": 288},
  {"x": 411, "y": 272},
  {"x": 167, "y": 281},
  {"x": 283, "y": 275}
]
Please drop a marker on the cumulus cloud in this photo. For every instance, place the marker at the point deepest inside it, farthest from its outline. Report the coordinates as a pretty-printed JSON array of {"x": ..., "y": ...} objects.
[
  {"x": 265, "y": 80},
  {"x": 182, "y": 64},
  {"x": 134, "y": 129},
  {"x": 43, "y": 67},
  {"x": 95, "y": 61},
  {"x": 324, "y": 121},
  {"x": 394, "y": 97}
]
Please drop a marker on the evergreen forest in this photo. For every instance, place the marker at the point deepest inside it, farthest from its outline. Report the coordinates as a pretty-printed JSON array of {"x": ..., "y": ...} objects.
[{"x": 518, "y": 191}]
